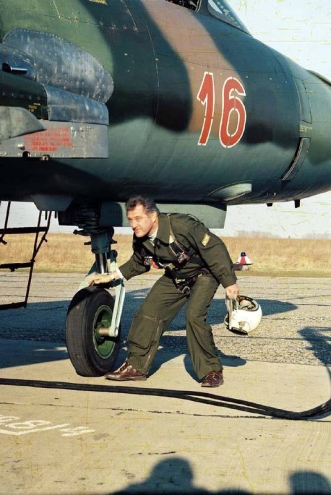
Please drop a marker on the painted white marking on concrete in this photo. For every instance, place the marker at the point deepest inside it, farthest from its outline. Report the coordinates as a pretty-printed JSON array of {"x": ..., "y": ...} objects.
[
  {"x": 36, "y": 430},
  {"x": 78, "y": 430},
  {"x": 17, "y": 428}
]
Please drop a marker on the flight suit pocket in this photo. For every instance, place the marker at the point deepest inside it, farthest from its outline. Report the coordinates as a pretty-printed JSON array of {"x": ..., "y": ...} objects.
[{"x": 145, "y": 331}]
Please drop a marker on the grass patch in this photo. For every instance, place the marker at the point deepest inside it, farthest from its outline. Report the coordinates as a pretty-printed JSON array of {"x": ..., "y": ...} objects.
[{"x": 270, "y": 257}]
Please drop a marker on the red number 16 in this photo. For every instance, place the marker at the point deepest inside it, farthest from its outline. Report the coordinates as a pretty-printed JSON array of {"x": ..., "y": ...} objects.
[{"x": 233, "y": 108}]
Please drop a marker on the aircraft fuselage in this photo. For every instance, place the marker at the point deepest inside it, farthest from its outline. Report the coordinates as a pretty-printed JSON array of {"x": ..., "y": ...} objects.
[{"x": 149, "y": 97}]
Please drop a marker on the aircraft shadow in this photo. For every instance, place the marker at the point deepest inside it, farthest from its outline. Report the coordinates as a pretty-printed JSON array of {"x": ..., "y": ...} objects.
[
  {"x": 15, "y": 353},
  {"x": 44, "y": 322}
]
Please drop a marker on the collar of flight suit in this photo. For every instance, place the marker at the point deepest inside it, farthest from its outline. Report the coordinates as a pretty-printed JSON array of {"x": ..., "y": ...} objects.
[{"x": 163, "y": 232}]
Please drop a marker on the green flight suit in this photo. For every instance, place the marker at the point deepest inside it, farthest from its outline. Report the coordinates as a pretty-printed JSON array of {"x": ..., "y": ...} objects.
[{"x": 165, "y": 300}]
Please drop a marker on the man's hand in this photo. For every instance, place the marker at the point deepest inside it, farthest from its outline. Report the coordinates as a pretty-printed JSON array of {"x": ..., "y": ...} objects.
[
  {"x": 104, "y": 278},
  {"x": 232, "y": 291}
]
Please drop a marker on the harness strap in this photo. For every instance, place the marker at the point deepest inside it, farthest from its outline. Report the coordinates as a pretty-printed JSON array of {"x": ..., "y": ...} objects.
[{"x": 182, "y": 255}]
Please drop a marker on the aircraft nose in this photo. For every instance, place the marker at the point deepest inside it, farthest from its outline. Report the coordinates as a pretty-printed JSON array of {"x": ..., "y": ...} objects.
[{"x": 310, "y": 170}]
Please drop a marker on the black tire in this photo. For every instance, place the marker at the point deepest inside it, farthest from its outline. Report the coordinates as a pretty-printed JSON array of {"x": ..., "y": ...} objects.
[{"x": 91, "y": 354}]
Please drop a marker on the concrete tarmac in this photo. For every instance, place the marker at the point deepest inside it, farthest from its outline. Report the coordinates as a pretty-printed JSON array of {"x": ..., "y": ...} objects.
[{"x": 100, "y": 439}]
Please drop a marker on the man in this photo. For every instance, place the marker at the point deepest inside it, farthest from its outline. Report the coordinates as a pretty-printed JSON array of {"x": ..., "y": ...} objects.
[{"x": 195, "y": 262}]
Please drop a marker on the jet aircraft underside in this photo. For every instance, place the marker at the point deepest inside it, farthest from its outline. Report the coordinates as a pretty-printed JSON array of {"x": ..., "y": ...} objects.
[{"x": 104, "y": 99}]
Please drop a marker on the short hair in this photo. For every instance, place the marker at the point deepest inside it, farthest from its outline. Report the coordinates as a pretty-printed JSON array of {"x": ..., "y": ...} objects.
[{"x": 148, "y": 204}]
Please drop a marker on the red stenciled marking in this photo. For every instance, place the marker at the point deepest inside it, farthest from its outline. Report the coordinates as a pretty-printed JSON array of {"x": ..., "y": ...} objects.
[
  {"x": 233, "y": 115},
  {"x": 49, "y": 140},
  {"x": 233, "y": 108},
  {"x": 206, "y": 96}
]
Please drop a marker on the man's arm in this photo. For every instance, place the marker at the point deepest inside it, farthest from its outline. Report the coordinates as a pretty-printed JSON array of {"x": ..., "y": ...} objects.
[
  {"x": 213, "y": 252},
  {"x": 134, "y": 266}
]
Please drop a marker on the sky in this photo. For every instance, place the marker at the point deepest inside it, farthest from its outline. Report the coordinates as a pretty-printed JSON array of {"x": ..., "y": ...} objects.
[{"x": 302, "y": 31}]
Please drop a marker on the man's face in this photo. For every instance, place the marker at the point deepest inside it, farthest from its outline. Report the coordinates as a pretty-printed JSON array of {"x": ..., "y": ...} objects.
[{"x": 141, "y": 222}]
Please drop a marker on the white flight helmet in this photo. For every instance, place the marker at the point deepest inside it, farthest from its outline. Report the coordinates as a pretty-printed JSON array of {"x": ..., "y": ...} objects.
[{"x": 244, "y": 315}]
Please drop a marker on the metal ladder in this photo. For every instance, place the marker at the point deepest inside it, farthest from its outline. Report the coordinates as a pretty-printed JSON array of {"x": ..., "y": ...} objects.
[{"x": 39, "y": 229}]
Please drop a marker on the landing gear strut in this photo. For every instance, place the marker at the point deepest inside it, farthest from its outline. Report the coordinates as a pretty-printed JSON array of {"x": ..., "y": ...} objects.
[{"x": 93, "y": 320}]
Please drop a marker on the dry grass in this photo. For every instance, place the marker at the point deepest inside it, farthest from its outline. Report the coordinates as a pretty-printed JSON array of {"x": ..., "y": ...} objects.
[
  {"x": 284, "y": 257},
  {"x": 277, "y": 257}
]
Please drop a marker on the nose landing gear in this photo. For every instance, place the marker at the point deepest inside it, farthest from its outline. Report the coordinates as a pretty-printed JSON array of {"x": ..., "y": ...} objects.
[
  {"x": 91, "y": 351},
  {"x": 93, "y": 319}
]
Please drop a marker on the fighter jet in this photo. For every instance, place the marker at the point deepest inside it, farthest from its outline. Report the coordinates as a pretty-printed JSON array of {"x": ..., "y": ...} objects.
[{"x": 104, "y": 99}]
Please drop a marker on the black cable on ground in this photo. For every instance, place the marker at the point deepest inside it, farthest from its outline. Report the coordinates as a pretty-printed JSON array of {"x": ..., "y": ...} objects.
[{"x": 201, "y": 397}]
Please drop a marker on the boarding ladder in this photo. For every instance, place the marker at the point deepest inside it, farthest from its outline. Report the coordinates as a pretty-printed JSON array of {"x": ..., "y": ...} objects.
[{"x": 38, "y": 241}]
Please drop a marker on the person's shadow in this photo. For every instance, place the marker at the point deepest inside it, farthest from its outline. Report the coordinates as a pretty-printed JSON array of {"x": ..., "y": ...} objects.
[
  {"x": 176, "y": 476},
  {"x": 173, "y": 476},
  {"x": 304, "y": 482}
]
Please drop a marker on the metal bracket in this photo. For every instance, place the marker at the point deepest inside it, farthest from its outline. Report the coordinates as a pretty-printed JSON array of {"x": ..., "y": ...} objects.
[
  {"x": 119, "y": 299},
  {"x": 113, "y": 330},
  {"x": 119, "y": 288}
]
